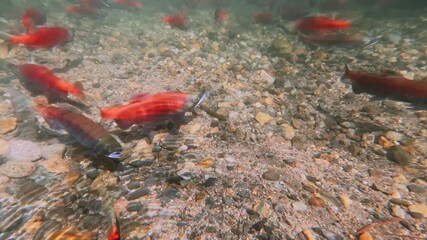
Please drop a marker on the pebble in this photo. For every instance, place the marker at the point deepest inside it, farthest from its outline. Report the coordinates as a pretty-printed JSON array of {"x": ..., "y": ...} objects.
[
  {"x": 418, "y": 210},
  {"x": 397, "y": 211},
  {"x": 271, "y": 175},
  {"x": 288, "y": 131},
  {"x": 316, "y": 201},
  {"x": 400, "y": 201},
  {"x": 134, "y": 207},
  {"x": 7, "y": 125},
  {"x": 140, "y": 163},
  {"x": 299, "y": 206},
  {"x": 416, "y": 188},
  {"x": 92, "y": 173},
  {"x": 398, "y": 155},
  {"x": 345, "y": 200},
  {"x": 55, "y": 164},
  {"x": 262, "y": 208},
  {"x": 308, "y": 234},
  {"x": 18, "y": 169},
  {"x": 205, "y": 163},
  {"x": 137, "y": 194},
  {"x": 53, "y": 150},
  {"x": 394, "y": 136},
  {"x": 400, "y": 179},
  {"x": 23, "y": 150},
  {"x": 366, "y": 236},
  {"x": 4, "y": 147},
  {"x": 263, "y": 118}
]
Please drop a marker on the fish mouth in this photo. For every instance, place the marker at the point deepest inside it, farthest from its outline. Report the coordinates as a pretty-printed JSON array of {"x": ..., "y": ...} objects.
[{"x": 115, "y": 155}]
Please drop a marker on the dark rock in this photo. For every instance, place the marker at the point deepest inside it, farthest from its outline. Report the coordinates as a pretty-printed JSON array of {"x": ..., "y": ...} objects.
[
  {"x": 258, "y": 225},
  {"x": 416, "y": 188},
  {"x": 137, "y": 194},
  {"x": 141, "y": 163},
  {"x": 210, "y": 202},
  {"x": 134, "y": 207},
  {"x": 271, "y": 175},
  {"x": 297, "y": 142},
  {"x": 168, "y": 194},
  {"x": 134, "y": 184},
  {"x": 398, "y": 155},
  {"x": 210, "y": 182},
  {"x": 92, "y": 221},
  {"x": 92, "y": 173},
  {"x": 243, "y": 193}
]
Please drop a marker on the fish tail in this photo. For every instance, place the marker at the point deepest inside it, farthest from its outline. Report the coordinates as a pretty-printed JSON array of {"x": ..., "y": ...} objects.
[
  {"x": 5, "y": 36},
  {"x": 346, "y": 72}
]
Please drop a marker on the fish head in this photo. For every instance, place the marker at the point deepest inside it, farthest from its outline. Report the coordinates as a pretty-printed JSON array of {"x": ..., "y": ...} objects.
[
  {"x": 110, "y": 147},
  {"x": 193, "y": 100}
]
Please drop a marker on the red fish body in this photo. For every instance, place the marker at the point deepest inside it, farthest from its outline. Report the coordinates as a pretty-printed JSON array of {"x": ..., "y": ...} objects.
[
  {"x": 82, "y": 10},
  {"x": 42, "y": 37},
  {"x": 31, "y": 18},
  {"x": 129, "y": 4},
  {"x": 88, "y": 133},
  {"x": 393, "y": 87},
  {"x": 263, "y": 17},
  {"x": 220, "y": 15},
  {"x": 149, "y": 109},
  {"x": 320, "y": 24},
  {"x": 39, "y": 79},
  {"x": 176, "y": 21}
]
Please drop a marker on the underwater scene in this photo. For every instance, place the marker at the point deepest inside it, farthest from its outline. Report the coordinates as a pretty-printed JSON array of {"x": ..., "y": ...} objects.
[{"x": 213, "y": 119}]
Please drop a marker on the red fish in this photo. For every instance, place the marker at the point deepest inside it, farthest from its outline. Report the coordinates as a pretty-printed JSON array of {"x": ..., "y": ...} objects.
[
  {"x": 31, "y": 18},
  {"x": 151, "y": 109},
  {"x": 387, "y": 86},
  {"x": 38, "y": 79},
  {"x": 128, "y": 4},
  {"x": 337, "y": 39},
  {"x": 220, "y": 15},
  {"x": 176, "y": 21},
  {"x": 82, "y": 10},
  {"x": 43, "y": 37},
  {"x": 87, "y": 132},
  {"x": 263, "y": 17},
  {"x": 320, "y": 24}
]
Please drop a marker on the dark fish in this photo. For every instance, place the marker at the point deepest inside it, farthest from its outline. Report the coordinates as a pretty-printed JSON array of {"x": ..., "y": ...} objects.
[
  {"x": 393, "y": 87},
  {"x": 88, "y": 133}
]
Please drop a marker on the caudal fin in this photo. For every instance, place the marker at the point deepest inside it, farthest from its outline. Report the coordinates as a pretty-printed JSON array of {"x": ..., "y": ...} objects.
[{"x": 346, "y": 72}]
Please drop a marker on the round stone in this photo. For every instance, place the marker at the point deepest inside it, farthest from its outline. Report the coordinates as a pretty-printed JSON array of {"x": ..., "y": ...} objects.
[{"x": 17, "y": 169}]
